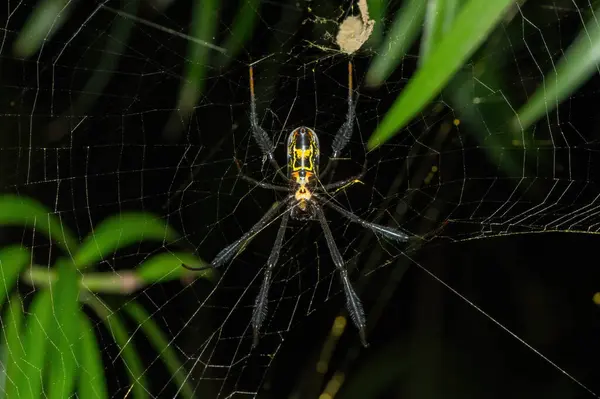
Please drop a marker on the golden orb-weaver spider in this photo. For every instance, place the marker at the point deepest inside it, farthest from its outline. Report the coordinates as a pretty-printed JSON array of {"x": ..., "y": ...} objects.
[{"x": 303, "y": 202}]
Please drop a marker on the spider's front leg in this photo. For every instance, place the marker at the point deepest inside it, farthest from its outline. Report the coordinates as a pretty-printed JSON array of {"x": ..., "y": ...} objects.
[
  {"x": 262, "y": 138},
  {"x": 343, "y": 135}
]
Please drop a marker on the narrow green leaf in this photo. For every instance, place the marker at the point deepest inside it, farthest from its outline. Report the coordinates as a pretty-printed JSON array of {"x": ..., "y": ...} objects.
[
  {"x": 480, "y": 116},
  {"x": 204, "y": 17},
  {"x": 47, "y": 17},
  {"x": 167, "y": 266},
  {"x": 65, "y": 334},
  {"x": 242, "y": 30},
  {"x": 376, "y": 10},
  {"x": 401, "y": 36},
  {"x": 132, "y": 361},
  {"x": 12, "y": 347},
  {"x": 575, "y": 67},
  {"x": 12, "y": 260},
  {"x": 439, "y": 17},
  {"x": 37, "y": 328},
  {"x": 474, "y": 22},
  {"x": 117, "y": 41},
  {"x": 92, "y": 382},
  {"x": 120, "y": 231},
  {"x": 23, "y": 211},
  {"x": 161, "y": 344}
]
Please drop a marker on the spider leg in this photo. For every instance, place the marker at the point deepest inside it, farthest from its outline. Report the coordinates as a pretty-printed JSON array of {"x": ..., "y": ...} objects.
[
  {"x": 344, "y": 133},
  {"x": 232, "y": 249},
  {"x": 353, "y": 304},
  {"x": 258, "y": 183},
  {"x": 260, "y": 305},
  {"x": 264, "y": 185},
  {"x": 389, "y": 232},
  {"x": 262, "y": 138},
  {"x": 350, "y": 180}
]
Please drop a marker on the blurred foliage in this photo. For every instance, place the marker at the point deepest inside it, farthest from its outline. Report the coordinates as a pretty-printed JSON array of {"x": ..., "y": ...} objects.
[
  {"x": 466, "y": 25},
  {"x": 42, "y": 333},
  {"x": 50, "y": 343}
]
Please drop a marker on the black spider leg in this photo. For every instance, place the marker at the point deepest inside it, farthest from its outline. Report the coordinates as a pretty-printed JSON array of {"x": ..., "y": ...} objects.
[
  {"x": 262, "y": 138},
  {"x": 343, "y": 135},
  {"x": 260, "y": 305},
  {"x": 232, "y": 249},
  {"x": 389, "y": 232},
  {"x": 259, "y": 183},
  {"x": 263, "y": 184},
  {"x": 353, "y": 304},
  {"x": 347, "y": 181}
]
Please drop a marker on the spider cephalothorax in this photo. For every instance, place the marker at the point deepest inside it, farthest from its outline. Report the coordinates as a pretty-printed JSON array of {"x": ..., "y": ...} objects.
[{"x": 304, "y": 202}]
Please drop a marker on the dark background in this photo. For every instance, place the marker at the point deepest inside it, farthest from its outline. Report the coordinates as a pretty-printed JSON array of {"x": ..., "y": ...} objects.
[{"x": 426, "y": 341}]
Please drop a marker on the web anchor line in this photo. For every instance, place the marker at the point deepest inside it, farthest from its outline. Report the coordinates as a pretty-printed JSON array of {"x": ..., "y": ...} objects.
[{"x": 506, "y": 329}]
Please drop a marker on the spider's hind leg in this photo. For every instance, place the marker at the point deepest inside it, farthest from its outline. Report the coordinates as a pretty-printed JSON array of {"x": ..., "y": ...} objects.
[
  {"x": 386, "y": 231},
  {"x": 353, "y": 304},
  {"x": 260, "y": 305}
]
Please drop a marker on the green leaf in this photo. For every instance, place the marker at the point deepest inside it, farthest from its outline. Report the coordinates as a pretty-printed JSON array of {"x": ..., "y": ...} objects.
[
  {"x": 65, "y": 334},
  {"x": 167, "y": 266},
  {"x": 402, "y": 35},
  {"x": 92, "y": 382},
  {"x": 23, "y": 211},
  {"x": 475, "y": 21},
  {"x": 120, "y": 231},
  {"x": 481, "y": 117},
  {"x": 117, "y": 41},
  {"x": 161, "y": 344},
  {"x": 39, "y": 324},
  {"x": 242, "y": 30},
  {"x": 376, "y": 10},
  {"x": 12, "y": 260},
  {"x": 12, "y": 347},
  {"x": 575, "y": 67},
  {"x": 115, "y": 325},
  {"x": 204, "y": 17},
  {"x": 439, "y": 17},
  {"x": 47, "y": 17}
]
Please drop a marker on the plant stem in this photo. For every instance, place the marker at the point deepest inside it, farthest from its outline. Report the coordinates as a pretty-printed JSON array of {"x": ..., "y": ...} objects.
[{"x": 123, "y": 283}]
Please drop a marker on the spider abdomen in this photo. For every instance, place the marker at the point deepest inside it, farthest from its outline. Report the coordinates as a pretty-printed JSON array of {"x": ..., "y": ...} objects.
[
  {"x": 303, "y": 167},
  {"x": 303, "y": 154}
]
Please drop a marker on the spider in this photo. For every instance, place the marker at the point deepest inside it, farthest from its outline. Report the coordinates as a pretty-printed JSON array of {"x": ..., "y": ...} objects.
[{"x": 303, "y": 202}]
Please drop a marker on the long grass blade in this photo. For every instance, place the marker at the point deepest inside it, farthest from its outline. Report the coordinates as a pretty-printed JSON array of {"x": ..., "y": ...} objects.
[
  {"x": 474, "y": 22},
  {"x": 65, "y": 349},
  {"x": 12, "y": 348},
  {"x": 401, "y": 36},
  {"x": 161, "y": 344},
  {"x": 120, "y": 231},
  {"x": 576, "y": 66},
  {"x": 92, "y": 381}
]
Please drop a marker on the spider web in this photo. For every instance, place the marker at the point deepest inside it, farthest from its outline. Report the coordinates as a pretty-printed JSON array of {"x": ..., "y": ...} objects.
[{"x": 91, "y": 127}]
